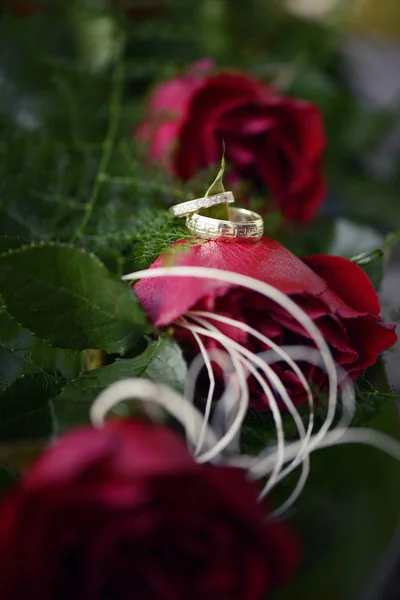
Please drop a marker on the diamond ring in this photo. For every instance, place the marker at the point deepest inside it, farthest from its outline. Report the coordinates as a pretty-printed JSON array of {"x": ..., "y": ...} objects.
[{"x": 192, "y": 206}]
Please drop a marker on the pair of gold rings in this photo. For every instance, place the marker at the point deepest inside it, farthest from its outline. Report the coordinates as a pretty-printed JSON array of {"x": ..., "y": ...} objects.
[{"x": 242, "y": 224}]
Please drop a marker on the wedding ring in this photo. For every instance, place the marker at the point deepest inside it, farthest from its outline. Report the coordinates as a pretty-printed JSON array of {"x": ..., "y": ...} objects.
[
  {"x": 243, "y": 224},
  {"x": 191, "y": 206}
]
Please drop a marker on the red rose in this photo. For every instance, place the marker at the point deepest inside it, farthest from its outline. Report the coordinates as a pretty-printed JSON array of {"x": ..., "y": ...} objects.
[
  {"x": 124, "y": 512},
  {"x": 336, "y": 294},
  {"x": 271, "y": 140}
]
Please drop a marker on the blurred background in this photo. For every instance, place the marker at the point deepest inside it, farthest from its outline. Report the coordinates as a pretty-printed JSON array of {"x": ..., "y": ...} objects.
[
  {"x": 341, "y": 54},
  {"x": 74, "y": 79},
  {"x": 58, "y": 67}
]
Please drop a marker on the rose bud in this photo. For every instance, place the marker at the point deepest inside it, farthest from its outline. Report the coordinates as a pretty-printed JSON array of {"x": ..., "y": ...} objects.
[
  {"x": 125, "y": 512},
  {"x": 333, "y": 291},
  {"x": 273, "y": 141}
]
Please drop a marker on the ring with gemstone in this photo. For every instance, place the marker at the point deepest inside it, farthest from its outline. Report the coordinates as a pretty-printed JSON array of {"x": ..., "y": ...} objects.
[
  {"x": 191, "y": 206},
  {"x": 243, "y": 224}
]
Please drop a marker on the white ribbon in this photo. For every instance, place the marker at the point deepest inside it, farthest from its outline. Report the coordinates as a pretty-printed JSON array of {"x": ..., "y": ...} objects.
[{"x": 213, "y": 436}]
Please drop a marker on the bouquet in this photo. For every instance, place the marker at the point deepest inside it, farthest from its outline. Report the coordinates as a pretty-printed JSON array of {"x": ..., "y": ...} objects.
[{"x": 193, "y": 393}]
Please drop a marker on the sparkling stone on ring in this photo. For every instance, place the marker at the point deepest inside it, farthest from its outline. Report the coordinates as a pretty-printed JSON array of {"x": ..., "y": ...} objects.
[{"x": 191, "y": 206}]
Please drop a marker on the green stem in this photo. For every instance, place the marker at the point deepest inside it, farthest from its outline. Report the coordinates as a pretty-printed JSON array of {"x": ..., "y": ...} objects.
[
  {"x": 217, "y": 187},
  {"x": 108, "y": 145}
]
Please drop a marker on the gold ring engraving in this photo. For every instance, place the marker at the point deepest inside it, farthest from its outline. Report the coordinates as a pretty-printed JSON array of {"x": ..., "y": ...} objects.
[{"x": 243, "y": 224}]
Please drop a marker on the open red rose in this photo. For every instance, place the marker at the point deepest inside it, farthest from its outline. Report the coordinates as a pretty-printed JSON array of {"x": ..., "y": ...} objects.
[
  {"x": 271, "y": 140},
  {"x": 125, "y": 513},
  {"x": 335, "y": 293}
]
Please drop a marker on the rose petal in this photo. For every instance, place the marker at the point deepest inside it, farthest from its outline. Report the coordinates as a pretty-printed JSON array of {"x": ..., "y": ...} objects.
[
  {"x": 165, "y": 299},
  {"x": 348, "y": 280},
  {"x": 270, "y": 139},
  {"x": 371, "y": 338},
  {"x": 88, "y": 448}
]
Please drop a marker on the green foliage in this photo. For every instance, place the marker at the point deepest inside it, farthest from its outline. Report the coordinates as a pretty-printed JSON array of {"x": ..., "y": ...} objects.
[
  {"x": 347, "y": 514},
  {"x": 372, "y": 262},
  {"x": 157, "y": 238},
  {"x": 79, "y": 206},
  {"x": 8, "y": 477},
  {"x": 162, "y": 361},
  {"x": 71, "y": 172},
  {"x": 25, "y": 412},
  {"x": 15, "y": 346},
  {"x": 373, "y": 392},
  {"x": 73, "y": 301},
  {"x": 22, "y": 353}
]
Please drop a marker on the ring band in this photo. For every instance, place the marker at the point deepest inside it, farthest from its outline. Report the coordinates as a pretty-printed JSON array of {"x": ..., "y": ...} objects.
[
  {"x": 191, "y": 206},
  {"x": 245, "y": 224}
]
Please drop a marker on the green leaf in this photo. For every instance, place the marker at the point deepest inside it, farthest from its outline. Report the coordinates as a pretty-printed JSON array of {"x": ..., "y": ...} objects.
[
  {"x": 372, "y": 392},
  {"x": 8, "y": 477},
  {"x": 8, "y": 243},
  {"x": 15, "y": 346},
  {"x": 373, "y": 263},
  {"x": 217, "y": 187},
  {"x": 161, "y": 361},
  {"x": 367, "y": 258},
  {"x": 16, "y": 455},
  {"x": 67, "y": 297},
  {"x": 25, "y": 412},
  {"x": 22, "y": 353},
  {"x": 346, "y": 516}
]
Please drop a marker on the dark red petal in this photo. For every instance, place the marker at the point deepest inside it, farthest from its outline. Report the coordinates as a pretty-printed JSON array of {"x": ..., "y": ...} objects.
[
  {"x": 166, "y": 299},
  {"x": 333, "y": 333},
  {"x": 271, "y": 166},
  {"x": 234, "y": 333},
  {"x": 240, "y": 154},
  {"x": 209, "y": 132},
  {"x": 371, "y": 338},
  {"x": 297, "y": 184},
  {"x": 304, "y": 205},
  {"x": 239, "y": 498},
  {"x": 246, "y": 119},
  {"x": 302, "y": 125},
  {"x": 217, "y": 95},
  {"x": 125, "y": 447},
  {"x": 168, "y": 104},
  {"x": 72, "y": 456},
  {"x": 175, "y": 95},
  {"x": 162, "y": 141},
  {"x": 348, "y": 280}
]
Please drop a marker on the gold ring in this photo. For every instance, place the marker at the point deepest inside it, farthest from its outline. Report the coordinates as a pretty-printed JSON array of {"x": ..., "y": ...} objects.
[{"x": 243, "y": 224}]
